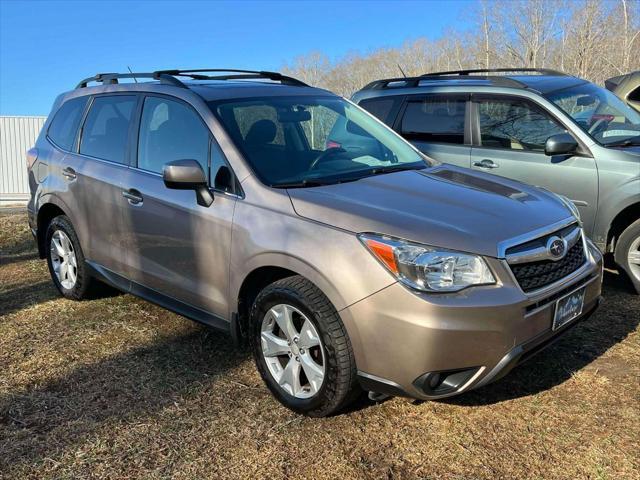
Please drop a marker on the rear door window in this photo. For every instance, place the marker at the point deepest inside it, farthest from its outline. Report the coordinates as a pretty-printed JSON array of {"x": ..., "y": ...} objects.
[
  {"x": 437, "y": 119},
  {"x": 106, "y": 130},
  {"x": 64, "y": 126}
]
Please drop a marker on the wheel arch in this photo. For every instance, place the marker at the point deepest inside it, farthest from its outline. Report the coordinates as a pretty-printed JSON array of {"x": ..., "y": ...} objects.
[
  {"x": 620, "y": 222},
  {"x": 266, "y": 269},
  {"x": 47, "y": 212}
]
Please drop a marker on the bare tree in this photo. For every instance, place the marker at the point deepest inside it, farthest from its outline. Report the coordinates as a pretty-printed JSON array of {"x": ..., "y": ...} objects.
[{"x": 593, "y": 39}]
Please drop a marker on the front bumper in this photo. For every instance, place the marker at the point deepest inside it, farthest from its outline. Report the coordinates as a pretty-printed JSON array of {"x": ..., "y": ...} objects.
[{"x": 402, "y": 339}]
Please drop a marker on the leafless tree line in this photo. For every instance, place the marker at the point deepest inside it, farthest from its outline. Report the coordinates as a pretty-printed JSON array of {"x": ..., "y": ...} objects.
[{"x": 593, "y": 39}]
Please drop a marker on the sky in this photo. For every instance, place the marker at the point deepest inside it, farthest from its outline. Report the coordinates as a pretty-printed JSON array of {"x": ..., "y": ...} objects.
[{"x": 46, "y": 47}]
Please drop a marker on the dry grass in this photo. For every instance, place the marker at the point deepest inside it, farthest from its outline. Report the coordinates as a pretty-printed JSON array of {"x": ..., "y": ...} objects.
[{"x": 118, "y": 388}]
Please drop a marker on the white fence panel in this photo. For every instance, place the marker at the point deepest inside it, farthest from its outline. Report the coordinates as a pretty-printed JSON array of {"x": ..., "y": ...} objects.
[{"x": 17, "y": 135}]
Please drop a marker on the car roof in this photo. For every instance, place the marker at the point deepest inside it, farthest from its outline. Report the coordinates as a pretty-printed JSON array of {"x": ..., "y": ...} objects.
[
  {"x": 547, "y": 83},
  {"x": 229, "y": 90}
]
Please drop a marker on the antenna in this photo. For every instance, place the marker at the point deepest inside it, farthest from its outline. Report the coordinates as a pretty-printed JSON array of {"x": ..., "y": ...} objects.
[
  {"x": 134, "y": 77},
  {"x": 402, "y": 71}
]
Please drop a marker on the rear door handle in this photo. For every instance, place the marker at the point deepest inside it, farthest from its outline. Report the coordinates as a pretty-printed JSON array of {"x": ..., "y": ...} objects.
[
  {"x": 486, "y": 163},
  {"x": 133, "y": 196},
  {"x": 69, "y": 173}
]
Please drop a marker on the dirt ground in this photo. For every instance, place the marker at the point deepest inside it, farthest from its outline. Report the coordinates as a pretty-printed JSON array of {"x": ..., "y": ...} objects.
[{"x": 118, "y": 388}]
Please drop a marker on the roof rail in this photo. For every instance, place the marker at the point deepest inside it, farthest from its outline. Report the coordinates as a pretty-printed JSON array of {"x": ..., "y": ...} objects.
[
  {"x": 542, "y": 71},
  {"x": 112, "y": 78},
  {"x": 169, "y": 76},
  {"x": 195, "y": 74},
  {"x": 497, "y": 80}
]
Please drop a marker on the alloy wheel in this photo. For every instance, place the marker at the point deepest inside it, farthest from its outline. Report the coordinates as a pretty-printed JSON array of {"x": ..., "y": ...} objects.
[
  {"x": 293, "y": 351},
  {"x": 63, "y": 259},
  {"x": 633, "y": 258}
]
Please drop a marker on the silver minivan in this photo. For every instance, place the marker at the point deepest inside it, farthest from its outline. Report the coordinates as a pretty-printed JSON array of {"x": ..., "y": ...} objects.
[
  {"x": 538, "y": 126},
  {"x": 362, "y": 265}
]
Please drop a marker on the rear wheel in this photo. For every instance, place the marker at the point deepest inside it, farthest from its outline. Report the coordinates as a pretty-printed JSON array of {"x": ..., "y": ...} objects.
[
  {"x": 302, "y": 349},
  {"x": 66, "y": 260},
  {"x": 627, "y": 253}
]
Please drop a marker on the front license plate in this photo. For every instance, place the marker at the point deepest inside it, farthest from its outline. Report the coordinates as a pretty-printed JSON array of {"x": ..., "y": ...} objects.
[{"x": 568, "y": 308}]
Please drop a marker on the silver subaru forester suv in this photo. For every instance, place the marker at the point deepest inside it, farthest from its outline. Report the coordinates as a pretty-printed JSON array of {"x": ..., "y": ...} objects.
[{"x": 350, "y": 266}]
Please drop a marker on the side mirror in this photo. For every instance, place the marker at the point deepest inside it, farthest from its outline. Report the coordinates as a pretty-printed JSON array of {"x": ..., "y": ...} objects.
[
  {"x": 560, "y": 144},
  {"x": 188, "y": 175}
]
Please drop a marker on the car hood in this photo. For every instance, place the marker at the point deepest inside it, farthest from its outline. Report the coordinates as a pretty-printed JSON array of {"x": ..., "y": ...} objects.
[
  {"x": 443, "y": 206},
  {"x": 633, "y": 151}
]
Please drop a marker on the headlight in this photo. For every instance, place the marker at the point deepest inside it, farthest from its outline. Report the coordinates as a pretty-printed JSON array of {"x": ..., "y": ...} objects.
[{"x": 426, "y": 268}]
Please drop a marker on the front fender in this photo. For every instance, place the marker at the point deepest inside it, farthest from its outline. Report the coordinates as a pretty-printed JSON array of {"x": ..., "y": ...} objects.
[{"x": 611, "y": 204}]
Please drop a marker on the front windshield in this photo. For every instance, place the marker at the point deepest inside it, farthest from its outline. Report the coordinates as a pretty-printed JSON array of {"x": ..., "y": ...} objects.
[
  {"x": 306, "y": 141},
  {"x": 606, "y": 118}
]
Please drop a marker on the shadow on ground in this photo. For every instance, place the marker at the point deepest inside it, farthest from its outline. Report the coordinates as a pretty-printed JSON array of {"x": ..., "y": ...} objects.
[
  {"x": 136, "y": 384},
  {"x": 26, "y": 296}
]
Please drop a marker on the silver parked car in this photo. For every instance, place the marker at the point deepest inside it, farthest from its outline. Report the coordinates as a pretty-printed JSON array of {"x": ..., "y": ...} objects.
[
  {"x": 363, "y": 265},
  {"x": 541, "y": 127}
]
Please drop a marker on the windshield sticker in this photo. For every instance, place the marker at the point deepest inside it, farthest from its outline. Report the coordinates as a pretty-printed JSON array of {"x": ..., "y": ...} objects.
[{"x": 619, "y": 133}]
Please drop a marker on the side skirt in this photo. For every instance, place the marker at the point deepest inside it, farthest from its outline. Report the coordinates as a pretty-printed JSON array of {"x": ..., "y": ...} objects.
[{"x": 153, "y": 296}]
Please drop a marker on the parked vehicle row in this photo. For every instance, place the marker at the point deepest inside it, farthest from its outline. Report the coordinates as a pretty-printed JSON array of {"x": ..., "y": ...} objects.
[
  {"x": 541, "y": 127},
  {"x": 298, "y": 222},
  {"x": 627, "y": 88}
]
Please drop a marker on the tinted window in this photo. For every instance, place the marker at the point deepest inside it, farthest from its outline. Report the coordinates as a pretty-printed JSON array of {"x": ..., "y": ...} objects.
[
  {"x": 169, "y": 131},
  {"x": 515, "y": 124},
  {"x": 106, "y": 128},
  {"x": 634, "y": 96},
  {"x": 64, "y": 125},
  {"x": 383, "y": 108},
  {"x": 435, "y": 119}
]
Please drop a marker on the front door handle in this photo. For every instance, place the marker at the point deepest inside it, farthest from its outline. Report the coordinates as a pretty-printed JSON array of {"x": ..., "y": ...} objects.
[
  {"x": 69, "y": 173},
  {"x": 486, "y": 163},
  {"x": 133, "y": 196}
]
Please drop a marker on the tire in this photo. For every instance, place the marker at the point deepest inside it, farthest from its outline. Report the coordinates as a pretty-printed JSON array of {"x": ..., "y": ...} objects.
[
  {"x": 334, "y": 354},
  {"x": 75, "y": 282},
  {"x": 629, "y": 244}
]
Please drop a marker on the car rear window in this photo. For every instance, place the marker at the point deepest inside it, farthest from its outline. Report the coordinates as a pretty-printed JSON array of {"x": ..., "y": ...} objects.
[
  {"x": 434, "y": 119},
  {"x": 64, "y": 126}
]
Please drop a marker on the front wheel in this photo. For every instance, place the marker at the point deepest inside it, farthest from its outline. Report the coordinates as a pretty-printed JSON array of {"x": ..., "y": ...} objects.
[
  {"x": 302, "y": 349},
  {"x": 627, "y": 253}
]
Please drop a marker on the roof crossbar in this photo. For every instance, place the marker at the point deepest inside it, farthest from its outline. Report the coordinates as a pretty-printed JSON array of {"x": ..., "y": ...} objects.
[{"x": 112, "y": 78}]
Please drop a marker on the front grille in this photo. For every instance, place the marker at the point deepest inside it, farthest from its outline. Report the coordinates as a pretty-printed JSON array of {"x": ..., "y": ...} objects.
[{"x": 534, "y": 275}]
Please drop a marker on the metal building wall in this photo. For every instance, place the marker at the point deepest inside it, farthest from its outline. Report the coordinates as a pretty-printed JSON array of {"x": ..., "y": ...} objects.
[{"x": 17, "y": 135}]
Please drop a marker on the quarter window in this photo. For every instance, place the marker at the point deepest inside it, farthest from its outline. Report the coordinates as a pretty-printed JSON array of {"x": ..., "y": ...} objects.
[
  {"x": 106, "y": 129},
  {"x": 64, "y": 125},
  {"x": 169, "y": 131},
  {"x": 435, "y": 119},
  {"x": 221, "y": 176},
  {"x": 515, "y": 124}
]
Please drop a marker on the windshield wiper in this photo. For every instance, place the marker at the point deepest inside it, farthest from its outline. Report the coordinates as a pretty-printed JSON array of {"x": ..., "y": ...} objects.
[
  {"x": 394, "y": 168},
  {"x": 629, "y": 142},
  {"x": 300, "y": 184}
]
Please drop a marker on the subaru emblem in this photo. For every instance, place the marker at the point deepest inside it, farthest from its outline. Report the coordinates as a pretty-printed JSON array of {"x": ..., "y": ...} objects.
[{"x": 556, "y": 247}]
